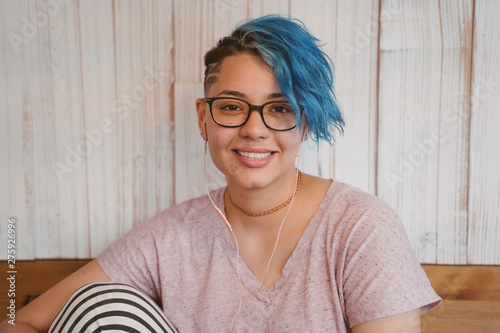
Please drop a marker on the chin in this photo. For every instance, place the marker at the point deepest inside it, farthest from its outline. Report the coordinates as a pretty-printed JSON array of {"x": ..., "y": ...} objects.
[{"x": 251, "y": 179}]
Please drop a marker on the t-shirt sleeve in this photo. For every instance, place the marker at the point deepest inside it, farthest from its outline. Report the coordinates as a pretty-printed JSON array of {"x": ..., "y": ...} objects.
[
  {"x": 381, "y": 275},
  {"x": 133, "y": 260}
]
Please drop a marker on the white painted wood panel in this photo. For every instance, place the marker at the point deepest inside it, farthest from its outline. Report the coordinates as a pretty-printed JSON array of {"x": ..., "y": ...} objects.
[
  {"x": 98, "y": 159},
  {"x": 142, "y": 107},
  {"x": 453, "y": 149},
  {"x": 419, "y": 127},
  {"x": 16, "y": 132},
  {"x": 56, "y": 100},
  {"x": 194, "y": 35},
  {"x": 484, "y": 186},
  {"x": 98, "y": 87},
  {"x": 422, "y": 167},
  {"x": 227, "y": 14},
  {"x": 257, "y": 8},
  {"x": 356, "y": 60}
]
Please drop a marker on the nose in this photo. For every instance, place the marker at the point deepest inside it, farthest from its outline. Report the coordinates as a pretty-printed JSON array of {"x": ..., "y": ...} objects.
[{"x": 255, "y": 128}]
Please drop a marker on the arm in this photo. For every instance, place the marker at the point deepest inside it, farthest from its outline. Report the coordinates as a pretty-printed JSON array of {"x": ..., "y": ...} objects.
[
  {"x": 38, "y": 315},
  {"x": 407, "y": 322}
]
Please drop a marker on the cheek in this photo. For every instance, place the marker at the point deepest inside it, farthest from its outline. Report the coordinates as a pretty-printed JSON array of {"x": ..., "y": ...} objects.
[
  {"x": 292, "y": 145},
  {"x": 218, "y": 143},
  {"x": 216, "y": 156},
  {"x": 218, "y": 137}
]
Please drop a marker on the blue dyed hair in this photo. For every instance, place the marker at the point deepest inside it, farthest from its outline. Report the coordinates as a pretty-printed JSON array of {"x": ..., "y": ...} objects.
[{"x": 303, "y": 71}]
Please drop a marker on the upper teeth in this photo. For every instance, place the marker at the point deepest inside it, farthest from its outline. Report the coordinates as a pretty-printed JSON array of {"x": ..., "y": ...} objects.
[{"x": 254, "y": 155}]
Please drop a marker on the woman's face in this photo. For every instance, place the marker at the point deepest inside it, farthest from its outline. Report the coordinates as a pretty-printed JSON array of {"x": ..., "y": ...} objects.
[{"x": 250, "y": 156}]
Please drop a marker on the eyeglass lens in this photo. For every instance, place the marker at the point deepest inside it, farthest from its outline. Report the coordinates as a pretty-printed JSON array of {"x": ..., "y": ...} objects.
[{"x": 233, "y": 112}]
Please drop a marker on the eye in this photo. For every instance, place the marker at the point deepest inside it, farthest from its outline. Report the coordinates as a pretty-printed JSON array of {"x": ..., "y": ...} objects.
[
  {"x": 230, "y": 107},
  {"x": 281, "y": 108}
]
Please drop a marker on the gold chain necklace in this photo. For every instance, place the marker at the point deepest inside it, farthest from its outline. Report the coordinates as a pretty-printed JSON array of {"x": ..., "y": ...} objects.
[{"x": 275, "y": 209}]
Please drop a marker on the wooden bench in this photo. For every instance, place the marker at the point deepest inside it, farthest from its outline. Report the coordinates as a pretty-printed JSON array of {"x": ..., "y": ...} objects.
[{"x": 471, "y": 294}]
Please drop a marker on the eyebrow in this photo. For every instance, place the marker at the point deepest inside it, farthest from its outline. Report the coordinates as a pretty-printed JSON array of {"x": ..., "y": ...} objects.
[{"x": 243, "y": 96}]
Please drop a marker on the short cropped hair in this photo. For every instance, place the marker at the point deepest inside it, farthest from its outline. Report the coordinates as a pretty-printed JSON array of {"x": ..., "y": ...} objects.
[{"x": 303, "y": 71}]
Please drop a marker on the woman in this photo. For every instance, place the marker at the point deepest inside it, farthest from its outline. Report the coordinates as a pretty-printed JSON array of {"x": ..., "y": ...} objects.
[{"x": 287, "y": 251}]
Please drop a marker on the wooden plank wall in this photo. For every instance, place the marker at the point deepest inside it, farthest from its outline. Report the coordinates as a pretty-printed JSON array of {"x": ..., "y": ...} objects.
[
  {"x": 425, "y": 64},
  {"x": 484, "y": 214},
  {"x": 98, "y": 124}
]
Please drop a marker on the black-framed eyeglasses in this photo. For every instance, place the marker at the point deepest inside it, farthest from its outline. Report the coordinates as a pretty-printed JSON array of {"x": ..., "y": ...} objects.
[{"x": 235, "y": 112}]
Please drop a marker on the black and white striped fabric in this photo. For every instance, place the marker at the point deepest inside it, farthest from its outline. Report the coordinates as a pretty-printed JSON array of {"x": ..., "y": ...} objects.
[{"x": 110, "y": 307}]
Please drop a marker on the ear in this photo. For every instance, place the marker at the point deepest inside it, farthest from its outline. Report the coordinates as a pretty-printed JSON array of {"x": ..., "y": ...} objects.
[{"x": 201, "y": 109}]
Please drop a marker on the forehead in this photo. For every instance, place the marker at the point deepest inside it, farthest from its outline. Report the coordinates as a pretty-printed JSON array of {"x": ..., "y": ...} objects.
[{"x": 246, "y": 73}]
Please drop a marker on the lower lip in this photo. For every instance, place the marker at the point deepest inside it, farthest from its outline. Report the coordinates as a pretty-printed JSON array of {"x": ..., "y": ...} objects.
[{"x": 253, "y": 162}]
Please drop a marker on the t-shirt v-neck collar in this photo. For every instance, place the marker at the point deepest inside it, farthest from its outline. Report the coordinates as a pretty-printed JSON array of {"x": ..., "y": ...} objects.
[{"x": 292, "y": 266}]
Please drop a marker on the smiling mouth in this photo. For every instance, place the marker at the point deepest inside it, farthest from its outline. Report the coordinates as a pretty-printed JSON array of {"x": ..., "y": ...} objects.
[{"x": 257, "y": 156}]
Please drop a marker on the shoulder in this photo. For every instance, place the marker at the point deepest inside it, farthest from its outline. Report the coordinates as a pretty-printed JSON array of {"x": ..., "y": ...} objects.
[
  {"x": 357, "y": 219},
  {"x": 352, "y": 218},
  {"x": 353, "y": 202}
]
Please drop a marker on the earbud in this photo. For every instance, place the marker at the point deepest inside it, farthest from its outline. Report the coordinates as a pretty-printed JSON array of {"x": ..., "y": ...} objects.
[
  {"x": 217, "y": 209},
  {"x": 202, "y": 133},
  {"x": 203, "y": 136}
]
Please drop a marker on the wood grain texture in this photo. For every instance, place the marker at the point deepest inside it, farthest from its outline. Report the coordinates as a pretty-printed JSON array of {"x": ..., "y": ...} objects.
[
  {"x": 453, "y": 149},
  {"x": 422, "y": 161},
  {"x": 257, "y": 8},
  {"x": 143, "y": 107},
  {"x": 87, "y": 150},
  {"x": 462, "y": 317},
  {"x": 194, "y": 36},
  {"x": 227, "y": 14},
  {"x": 98, "y": 88},
  {"x": 484, "y": 187},
  {"x": 98, "y": 101},
  {"x": 16, "y": 132},
  {"x": 34, "y": 278},
  {"x": 471, "y": 299},
  {"x": 356, "y": 60},
  {"x": 57, "y": 102},
  {"x": 481, "y": 283}
]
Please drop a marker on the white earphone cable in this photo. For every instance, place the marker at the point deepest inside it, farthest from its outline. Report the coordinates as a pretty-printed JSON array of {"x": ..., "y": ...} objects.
[{"x": 228, "y": 225}]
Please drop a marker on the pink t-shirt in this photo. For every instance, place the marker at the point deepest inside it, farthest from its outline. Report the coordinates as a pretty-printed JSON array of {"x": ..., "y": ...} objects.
[{"x": 352, "y": 264}]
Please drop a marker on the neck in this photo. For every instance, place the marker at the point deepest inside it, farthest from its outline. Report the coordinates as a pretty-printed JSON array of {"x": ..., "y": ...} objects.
[{"x": 260, "y": 200}]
